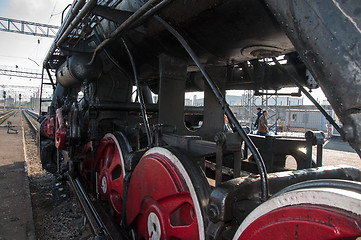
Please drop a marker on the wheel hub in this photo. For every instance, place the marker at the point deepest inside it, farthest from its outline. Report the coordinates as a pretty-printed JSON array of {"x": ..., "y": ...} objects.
[
  {"x": 154, "y": 229},
  {"x": 162, "y": 201},
  {"x": 104, "y": 185}
]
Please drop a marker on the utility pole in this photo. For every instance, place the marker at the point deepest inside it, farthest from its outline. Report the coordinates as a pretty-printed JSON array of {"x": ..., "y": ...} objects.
[
  {"x": 4, "y": 96},
  {"x": 19, "y": 100}
]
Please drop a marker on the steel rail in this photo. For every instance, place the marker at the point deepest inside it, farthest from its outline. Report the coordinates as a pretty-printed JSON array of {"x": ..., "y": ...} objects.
[
  {"x": 32, "y": 114},
  {"x": 6, "y": 116},
  {"x": 33, "y": 127},
  {"x": 89, "y": 210},
  {"x": 99, "y": 228},
  {"x": 100, "y": 221}
]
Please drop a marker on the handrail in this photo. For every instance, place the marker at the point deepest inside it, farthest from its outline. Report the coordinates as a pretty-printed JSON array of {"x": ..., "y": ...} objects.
[{"x": 68, "y": 21}]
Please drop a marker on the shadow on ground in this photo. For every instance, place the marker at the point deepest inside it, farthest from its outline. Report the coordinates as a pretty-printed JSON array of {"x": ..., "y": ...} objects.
[{"x": 338, "y": 144}]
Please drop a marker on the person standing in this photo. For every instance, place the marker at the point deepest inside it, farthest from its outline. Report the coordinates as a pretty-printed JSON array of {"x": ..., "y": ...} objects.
[
  {"x": 262, "y": 124},
  {"x": 259, "y": 113}
]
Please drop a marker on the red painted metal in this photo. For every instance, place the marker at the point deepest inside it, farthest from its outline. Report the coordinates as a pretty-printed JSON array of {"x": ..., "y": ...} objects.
[
  {"x": 85, "y": 166},
  {"x": 60, "y": 130},
  {"x": 48, "y": 127},
  {"x": 304, "y": 222},
  {"x": 108, "y": 165},
  {"x": 157, "y": 187}
]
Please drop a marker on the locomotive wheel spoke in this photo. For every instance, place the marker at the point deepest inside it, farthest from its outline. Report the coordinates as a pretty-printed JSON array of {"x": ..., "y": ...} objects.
[
  {"x": 178, "y": 217},
  {"x": 170, "y": 204},
  {"x": 117, "y": 184},
  {"x": 180, "y": 232},
  {"x": 85, "y": 167},
  {"x": 114, "y": 161},
  {"x": 165, "y": 204},
  {"x": 109, "y": 158}
]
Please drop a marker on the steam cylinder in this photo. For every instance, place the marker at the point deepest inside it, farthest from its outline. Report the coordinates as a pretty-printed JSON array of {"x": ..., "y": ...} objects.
[{"x": 76, "y": 70}]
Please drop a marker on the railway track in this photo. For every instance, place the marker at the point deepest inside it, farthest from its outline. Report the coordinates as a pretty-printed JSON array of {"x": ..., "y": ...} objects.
[
  {"x": 4, "y": 116},
  {"x": 32, "y": 114},
  {"x": 99, "y": 220},
  {"x": 31, "y": 119}
]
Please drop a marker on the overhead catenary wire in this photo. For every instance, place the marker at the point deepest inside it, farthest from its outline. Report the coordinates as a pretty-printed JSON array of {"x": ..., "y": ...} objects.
[{"x": 52, "y": 12}]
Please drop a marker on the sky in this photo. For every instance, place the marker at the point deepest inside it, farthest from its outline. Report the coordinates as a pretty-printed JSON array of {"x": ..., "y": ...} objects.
[{"x": 23, "y": 50}]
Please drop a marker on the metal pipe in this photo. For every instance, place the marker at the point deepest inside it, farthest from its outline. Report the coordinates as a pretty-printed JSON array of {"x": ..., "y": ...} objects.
[
  {"x": 75, "y": 7},
  {"x": 84, "y": 11},
  {"x": 319, "y": 107},
  {"x": 130, "y": 21},
  {"x": 140, "y": 97},
  {"x": 69, "y": 18},
  {"x": 299, "y": 85},
  {"x": 257, "y": 156},
  {"x": 69, "y": 25},
  {"x": 62, "y": 13},
  {"x": 151, "y": 12},
  {"x": 151, "y": 107}
]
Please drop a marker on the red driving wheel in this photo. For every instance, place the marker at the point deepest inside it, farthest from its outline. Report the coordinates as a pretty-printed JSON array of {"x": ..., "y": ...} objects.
[
  {"x": 163, "y": 202},
  {"x": 60, "y": 129},
  {"x": 47, "y": 127},
  {"x": 109, "y": 165},
  {"x": 85, "y": 166},
  {"x": 315, "y": 213}
]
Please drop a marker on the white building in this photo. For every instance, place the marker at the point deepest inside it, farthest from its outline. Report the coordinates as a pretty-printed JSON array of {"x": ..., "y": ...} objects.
[{"x": 297, "y": 118}]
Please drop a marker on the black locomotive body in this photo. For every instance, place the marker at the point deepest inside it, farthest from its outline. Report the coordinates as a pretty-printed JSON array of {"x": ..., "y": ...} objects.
[{"x": 118, "y": 118}]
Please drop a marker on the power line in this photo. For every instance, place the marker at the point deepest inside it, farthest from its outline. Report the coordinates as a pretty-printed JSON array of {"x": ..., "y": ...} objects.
[
  {"x": 21, "y": 72},
  {"x": 28, "y": 28}
]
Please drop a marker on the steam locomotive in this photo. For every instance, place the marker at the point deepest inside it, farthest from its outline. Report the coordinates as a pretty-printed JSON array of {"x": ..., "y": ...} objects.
[{"x": 118, "y": 118}]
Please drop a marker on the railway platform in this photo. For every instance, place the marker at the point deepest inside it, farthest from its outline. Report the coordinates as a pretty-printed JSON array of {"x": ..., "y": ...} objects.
[{"x": 16, "y": 218}]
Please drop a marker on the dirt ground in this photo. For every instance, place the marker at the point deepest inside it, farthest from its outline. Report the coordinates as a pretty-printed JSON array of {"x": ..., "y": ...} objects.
[{"x": 57, "y": 213}]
